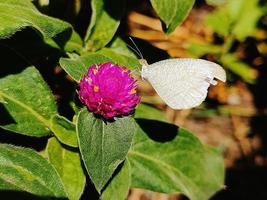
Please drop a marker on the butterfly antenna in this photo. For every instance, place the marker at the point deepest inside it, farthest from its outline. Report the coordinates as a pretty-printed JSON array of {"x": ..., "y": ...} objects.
[{"x": 136, "y": 48}]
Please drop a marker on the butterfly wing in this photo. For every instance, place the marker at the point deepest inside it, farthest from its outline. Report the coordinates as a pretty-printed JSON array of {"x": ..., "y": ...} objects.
[{"x": 183, "y": 82}]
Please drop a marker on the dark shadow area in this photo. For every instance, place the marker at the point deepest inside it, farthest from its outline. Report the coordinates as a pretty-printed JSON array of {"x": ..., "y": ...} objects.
[
  {"x": 259, "y": 127},
  {"x": 26, "y": 48},
  {"x": 62, "y": 38},
  {"x": 5, "y": 117},
  {"x": 24, "y": 196},
  {"x": 9, "y": 137},
  {"x": 115, "y": 9},
  {"x": 77, "y": 13},
  {"x": 258, "y": 123},
  {"x": 118, "y": 169},
  {"x": 23, "y": 49},
  {"x": 244, "y": 184},
  {"x": 89, "y": 191},
  {"x": 157, "y": 130},
  {"x": 149, "y": 52}
]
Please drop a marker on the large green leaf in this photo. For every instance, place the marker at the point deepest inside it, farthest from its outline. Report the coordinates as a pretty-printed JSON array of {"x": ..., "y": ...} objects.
[
  {"x": 64, "y": 130},
  {"x": 68, "y": 166},
  {"x": 168, "y": 159},
  {"x": 29, "y": 102},
  {"x": 96, "y": 7},
  {"x": 18, "y": 14},
  {"x": 172, "y": 12},
  {"x": 103, "y": 145},
  {"x": 119, "y": 185},
  {"x": 121, "y": 59},
  {"x": 25, "y": 170},
  {"x": 77, "y": 66},
  {"x": 104, "y": 22}
]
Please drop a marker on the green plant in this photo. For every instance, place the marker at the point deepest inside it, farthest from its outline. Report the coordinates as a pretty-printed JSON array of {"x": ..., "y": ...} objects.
[
  {"x": 233, "y": 22},
  {"x": 143, "y": 151}
]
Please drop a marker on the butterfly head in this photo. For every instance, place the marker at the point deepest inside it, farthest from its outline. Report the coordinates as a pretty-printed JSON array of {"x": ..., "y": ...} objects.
[{"x": 144, "y": 64}]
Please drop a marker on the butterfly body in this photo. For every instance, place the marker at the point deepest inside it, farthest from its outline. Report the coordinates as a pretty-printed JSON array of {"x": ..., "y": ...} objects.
[{"x": 182, "y": 82}]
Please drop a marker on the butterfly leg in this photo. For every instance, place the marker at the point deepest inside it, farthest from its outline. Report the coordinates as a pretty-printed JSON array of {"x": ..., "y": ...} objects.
[{"x": 211, "y": 81}]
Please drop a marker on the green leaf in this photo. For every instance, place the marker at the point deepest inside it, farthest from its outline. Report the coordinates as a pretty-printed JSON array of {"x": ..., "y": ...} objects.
[
  {"x": 29, "y": 101},
  {"x": 64, "y": 130},
  {"x": 119, "y": 186},
  {"x": 239, "y": 68},
  {"x": 16, "y": 15},
  {"x": 165, "y": 158},
  {"x": 25, "y": 170},
  {"x": 120, "y": 59},
  {"x": 247, "y": 19},
  {"x": 68, "y": 165},
  {"x": 104, "y": 23},
  {"x": 97, "y": 7},
  {"x": 120, "y": 47},
  {"x": 26, "y": 3},
  {"x": 2, "y": 100},
  {"x": 76, "y": 67},
  {"x": 74, "y": 44},
  {"x": 146, "y": 111},
  {"x": 220, "y": 21},
  {"x": 239, "y": 17},
  {"x": 215, "y": 2},
  {"x": 172, "y": 12},
  {"x": 103, "y": 145}
]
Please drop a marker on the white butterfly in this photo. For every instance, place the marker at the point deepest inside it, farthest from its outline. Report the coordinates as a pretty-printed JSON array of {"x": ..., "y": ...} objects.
[{"x": 182, "y": 82}]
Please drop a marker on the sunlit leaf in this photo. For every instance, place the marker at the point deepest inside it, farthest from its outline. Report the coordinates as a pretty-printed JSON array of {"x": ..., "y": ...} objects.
[
  {"x": 15, "y": 15},
  {"x": 64, "y": 130},
  {"x": 103, "y": 145},
  {"x": 76, "y": 67},
  {"x": 25, "y": 170},
  {"x": 104, "y": 22},
  {"x": 165, "y": 158},
  {"x": 172, "y": 12},
  {"x": 120, "y": 59},
  {"x": 68, "y": 165},
  {"x": 29, "y": 102}
]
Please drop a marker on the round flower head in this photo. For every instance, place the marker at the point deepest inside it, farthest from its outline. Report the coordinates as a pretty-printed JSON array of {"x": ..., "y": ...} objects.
[{"x": 108, "y": 90}]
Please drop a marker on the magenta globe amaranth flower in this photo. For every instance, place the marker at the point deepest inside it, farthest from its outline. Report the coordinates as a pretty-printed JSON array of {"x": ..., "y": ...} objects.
[{"x": 108, "y": 90}]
